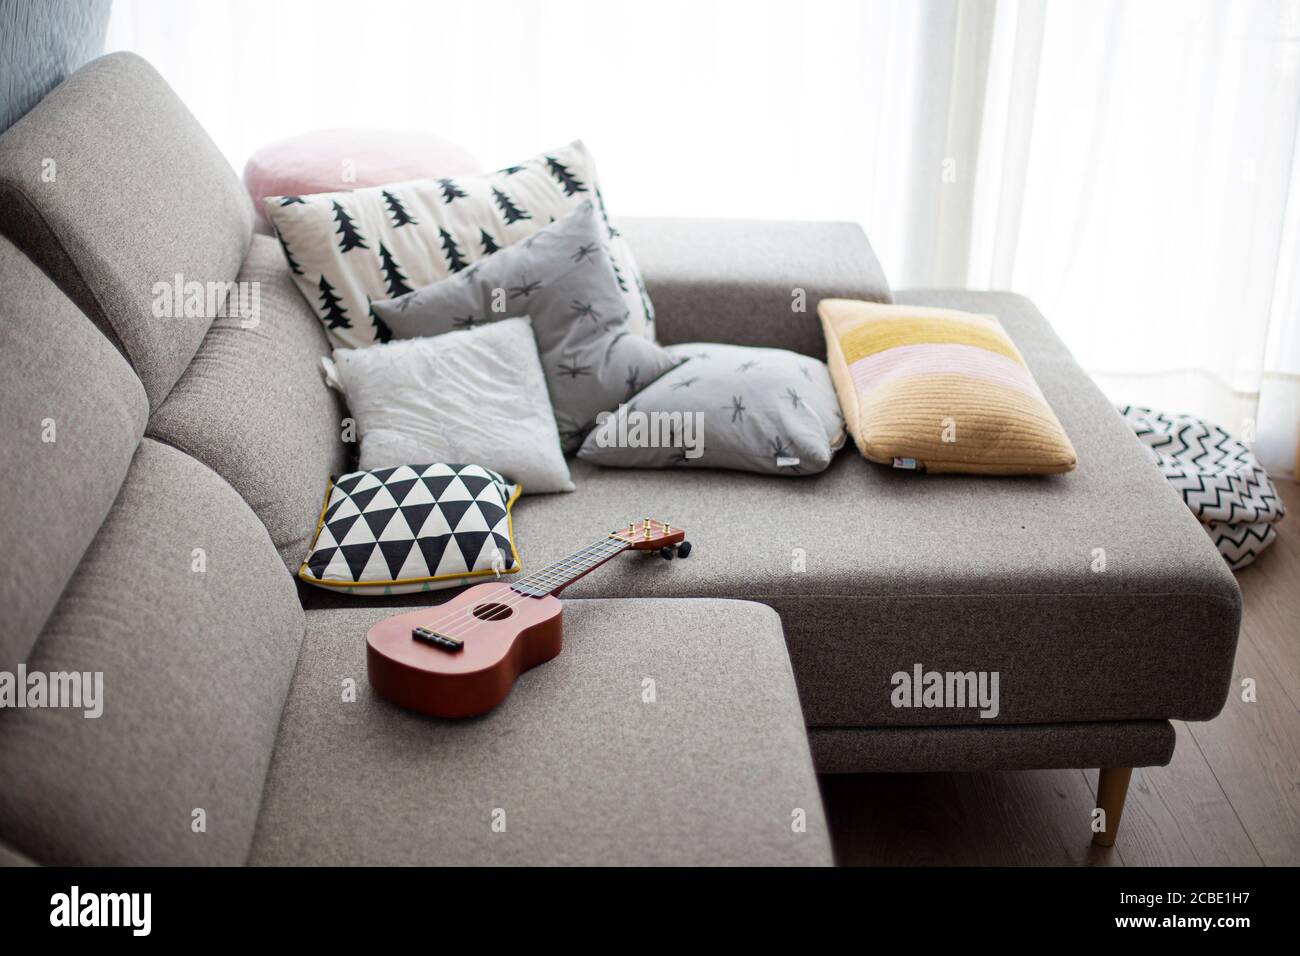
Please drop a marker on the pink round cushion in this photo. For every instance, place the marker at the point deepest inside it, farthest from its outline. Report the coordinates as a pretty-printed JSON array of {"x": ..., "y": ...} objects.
[{"x": 335, "y": 160}]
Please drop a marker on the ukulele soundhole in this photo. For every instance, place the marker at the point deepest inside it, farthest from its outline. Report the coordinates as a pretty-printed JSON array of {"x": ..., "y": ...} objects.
[{"x": 492, "y": 612}]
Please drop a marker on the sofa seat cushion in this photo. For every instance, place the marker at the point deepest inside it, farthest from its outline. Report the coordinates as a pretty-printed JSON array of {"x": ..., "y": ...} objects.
[
  {"x": 1095, "y": 594},
  {"x": 114, "y": 189},
  {"x": 182, "y": 606},
  {"x": 254, "y": 407},
  {"x": 581, "y": 769}
]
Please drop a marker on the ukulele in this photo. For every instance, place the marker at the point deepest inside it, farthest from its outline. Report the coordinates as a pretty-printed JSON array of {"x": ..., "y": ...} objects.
[{"x": 461, "y": 658}]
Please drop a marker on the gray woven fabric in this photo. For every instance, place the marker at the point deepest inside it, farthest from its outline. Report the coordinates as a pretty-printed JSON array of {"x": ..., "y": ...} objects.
[
  {"x": 253, "y": 407},
  {"x": 738, "y": 281},
  {"x": 584, "y": 770},
  {"x": 139, "y": 195},
  {"x": 1138, "y": 743},
  {"x": 562, "y": 277},
  {"x": 70, "y": 408},
  {"x": 196, "y": 665},
  {"x": 9, "y": 857},
  {"x": 771, "y": 411}
]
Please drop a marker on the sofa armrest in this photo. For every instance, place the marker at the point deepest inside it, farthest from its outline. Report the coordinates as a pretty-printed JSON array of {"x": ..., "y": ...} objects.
[{"x": 734, "y": 280}]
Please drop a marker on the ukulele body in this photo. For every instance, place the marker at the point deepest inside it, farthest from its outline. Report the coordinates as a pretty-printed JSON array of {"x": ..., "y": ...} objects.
[{"x": 504, "y": 633}]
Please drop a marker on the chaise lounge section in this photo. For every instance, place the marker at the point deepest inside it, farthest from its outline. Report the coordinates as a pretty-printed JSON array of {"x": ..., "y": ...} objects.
[{"x": 238, "y": 728}]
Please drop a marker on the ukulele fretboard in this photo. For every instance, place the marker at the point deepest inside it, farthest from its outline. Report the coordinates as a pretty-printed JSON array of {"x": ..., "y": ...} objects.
[{"x": 555, "y": 576}]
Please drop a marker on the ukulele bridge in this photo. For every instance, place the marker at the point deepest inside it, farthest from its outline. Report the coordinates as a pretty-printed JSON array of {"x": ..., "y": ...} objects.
[{"x": 431, "y": 637}]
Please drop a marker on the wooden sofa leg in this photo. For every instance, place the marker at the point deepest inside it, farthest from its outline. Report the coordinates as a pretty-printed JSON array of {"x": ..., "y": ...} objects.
[{"x": 1112, "y": 788}]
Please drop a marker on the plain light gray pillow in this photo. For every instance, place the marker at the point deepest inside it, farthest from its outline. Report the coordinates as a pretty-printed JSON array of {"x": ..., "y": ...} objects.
[
  {"x": 564, "y": 278},
  {"x": 475, "y": 397},
  {"x": 727, "y": 406}
]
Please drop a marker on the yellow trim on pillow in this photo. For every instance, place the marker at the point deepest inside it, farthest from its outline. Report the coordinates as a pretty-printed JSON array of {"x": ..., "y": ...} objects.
[
  {"x": 879, "y": 335},
  {"x": 319, "y": 582},
  {"x": 845, "y": 313}
]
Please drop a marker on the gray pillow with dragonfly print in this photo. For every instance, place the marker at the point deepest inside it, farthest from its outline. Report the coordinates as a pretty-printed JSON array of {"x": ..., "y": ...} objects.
[
  {"x": 564, "y": 278},
  {"x": 726, "y": 406}
]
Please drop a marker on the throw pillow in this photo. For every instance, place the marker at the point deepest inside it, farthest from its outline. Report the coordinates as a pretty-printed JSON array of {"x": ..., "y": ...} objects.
[
  {"x": 565, "y": 280},
  {"x": 728, "y": 406},
  {"x": 477, "y": 395},
  {"x": 1218, "y": 477},
  {"x": 329, "y": 160},
  {"x": 348, "y": 249},
  {"x": 412, "y": 528},
  {"x": 939, "y": 390}
]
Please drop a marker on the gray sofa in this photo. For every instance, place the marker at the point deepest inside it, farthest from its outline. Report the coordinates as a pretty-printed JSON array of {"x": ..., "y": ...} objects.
[{"x": 154, "y": 540}]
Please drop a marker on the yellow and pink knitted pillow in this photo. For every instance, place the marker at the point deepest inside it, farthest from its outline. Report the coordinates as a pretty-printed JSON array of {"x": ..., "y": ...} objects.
[{"x": 939, "y": 390}]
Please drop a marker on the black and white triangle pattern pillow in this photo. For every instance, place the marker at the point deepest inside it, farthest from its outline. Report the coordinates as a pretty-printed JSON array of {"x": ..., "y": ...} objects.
[{"x": 413, "y": 528}]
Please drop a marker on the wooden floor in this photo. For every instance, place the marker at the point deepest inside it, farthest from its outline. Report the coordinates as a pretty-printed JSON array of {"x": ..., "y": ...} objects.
[{"x": 1231, "y": 796}]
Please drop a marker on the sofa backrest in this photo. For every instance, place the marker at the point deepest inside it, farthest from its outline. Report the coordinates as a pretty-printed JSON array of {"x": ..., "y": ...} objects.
[
  {"x": 751, "y": 282},
  {"x": 75, "y": 414},
  {"x": 164, "y": 470},
  {"x": 111, "y": 186}
]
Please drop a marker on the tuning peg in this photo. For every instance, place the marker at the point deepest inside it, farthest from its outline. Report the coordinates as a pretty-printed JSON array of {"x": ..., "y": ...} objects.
[
  {"x": 684, "y": 549},
  {"x": 666, "y": 552}
]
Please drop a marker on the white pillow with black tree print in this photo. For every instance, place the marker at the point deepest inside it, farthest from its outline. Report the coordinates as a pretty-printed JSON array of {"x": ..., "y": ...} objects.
[
  {"x": 727, "y": 406},
  {"x": 347, "y": 250},
  {"x": 563, "y": 278}
]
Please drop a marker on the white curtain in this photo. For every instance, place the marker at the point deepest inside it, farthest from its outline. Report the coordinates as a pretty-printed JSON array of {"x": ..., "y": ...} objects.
[
  {"x": 1131, "y": 166},
  {"x": 1137, "y": 179}
]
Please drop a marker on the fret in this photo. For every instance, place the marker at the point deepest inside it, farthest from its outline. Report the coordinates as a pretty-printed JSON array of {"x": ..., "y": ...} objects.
[{"x": 556, "y": 575}]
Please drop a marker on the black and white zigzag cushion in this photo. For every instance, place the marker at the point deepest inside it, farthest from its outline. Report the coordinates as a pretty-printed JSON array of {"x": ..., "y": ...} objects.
[
  {"x": 412, "y": 528},
  {"x": 1240, "y": 544},
  {"x": 1217, "y": 476}
]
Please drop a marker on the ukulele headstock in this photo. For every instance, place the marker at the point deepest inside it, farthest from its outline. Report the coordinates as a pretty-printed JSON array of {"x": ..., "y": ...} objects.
[{"x": 649, "y": 534}]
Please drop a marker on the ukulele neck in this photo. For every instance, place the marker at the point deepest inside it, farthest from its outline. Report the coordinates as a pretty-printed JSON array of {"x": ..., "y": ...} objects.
[{"x": 554, "y": 578}]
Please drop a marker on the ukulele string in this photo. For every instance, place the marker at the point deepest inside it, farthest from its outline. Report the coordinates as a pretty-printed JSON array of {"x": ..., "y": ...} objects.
[
  {"x": 559, "y": 572},
  {"x": 552, "y": 574},
  {"x": 556, "y": 573}
]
